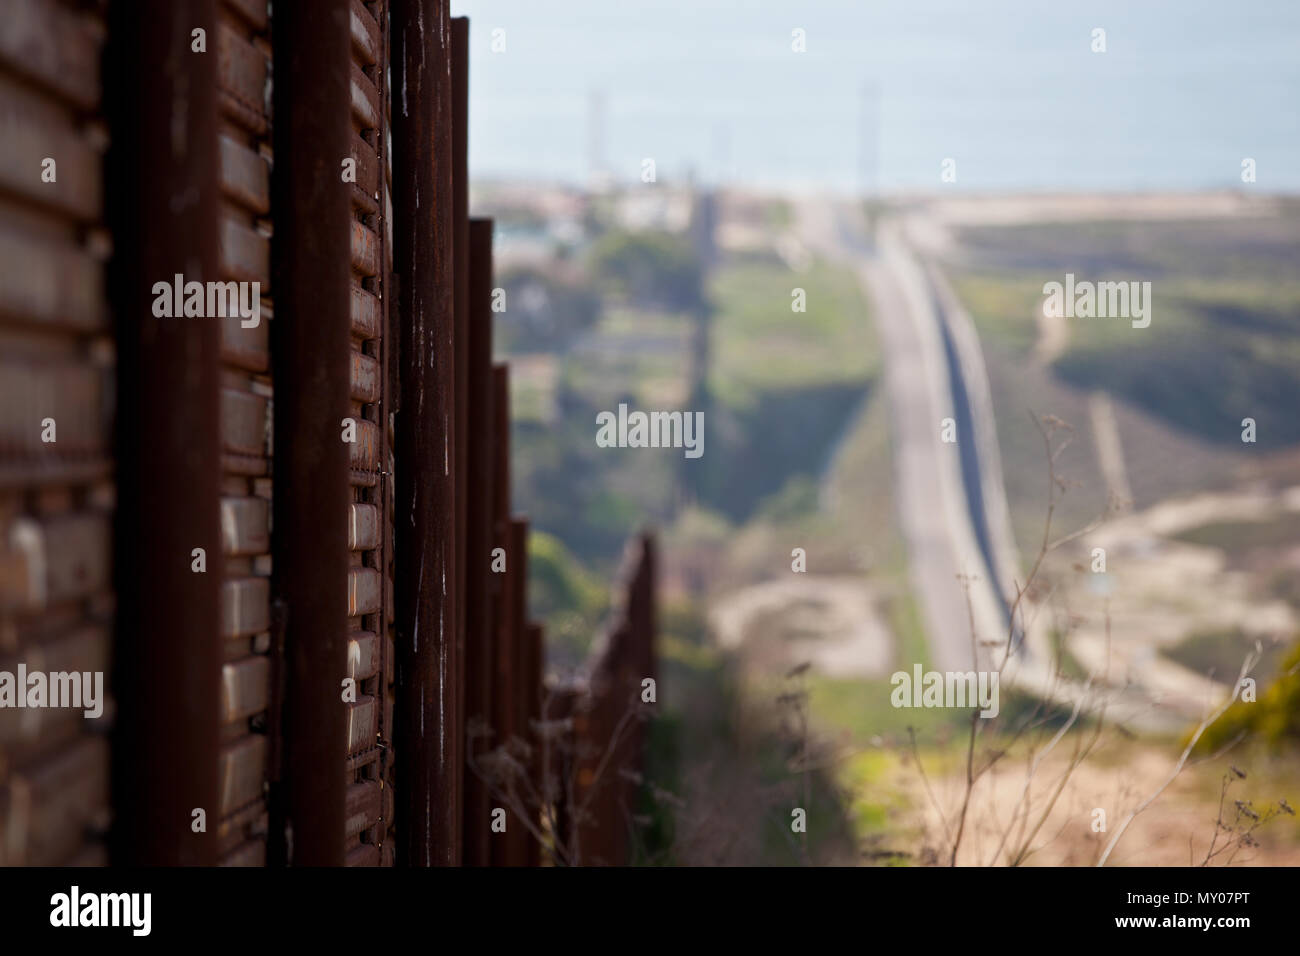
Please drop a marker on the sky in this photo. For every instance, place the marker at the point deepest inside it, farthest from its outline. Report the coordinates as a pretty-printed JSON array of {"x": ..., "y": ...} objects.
[{"x": 886, "y": 90}]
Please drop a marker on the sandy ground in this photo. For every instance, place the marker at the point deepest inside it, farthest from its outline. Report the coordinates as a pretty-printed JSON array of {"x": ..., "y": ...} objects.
[
  {"x": 1159, "y": 591},
  {"x": 933, "y": 230},
  {"x": 1175, "y": 830},
  {"x": 830, "y": 622}
]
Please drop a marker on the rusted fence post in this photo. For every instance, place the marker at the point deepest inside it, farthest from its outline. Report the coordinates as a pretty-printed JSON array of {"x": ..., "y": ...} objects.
[
  {"x": 519, "y": 837},
  {"x": 607, "y": 729},
  {"x": 162, "y": 193},
  {"x": 532, "y": 715},
  {"x": 311, "y": 255},
  {"x": 480, "y": 637},
  {"x": 428, "y": 736},
  {"x": 461, "y": 263},
  {"x": 502, "y": 595},
  {"x": 559, "y": 762}
]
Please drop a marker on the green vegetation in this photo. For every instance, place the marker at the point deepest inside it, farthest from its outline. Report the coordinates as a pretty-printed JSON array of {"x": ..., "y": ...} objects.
[
  {"x": 650, "y": 269},
  {"x": 905, "y": 625},
  {"x": 567, "y": 599},
  {"x": 784, "y": 385},
  {"x": 862, "y": 708},
  {"x": 759, "y": 344},
  {"x": 1219, "y": 654},
  {"x": 1224, "y": 339},
  {"x": 1236, "y": 536},
  {"x": 732, "y": 805},
  {"x": 1067, "y": 665},
  {"x": 1003, "y": 307},
  {"x": 777, "y": 215},
  {"x": 1273, "y": 719},
  {"x": 543, "y": 311}
]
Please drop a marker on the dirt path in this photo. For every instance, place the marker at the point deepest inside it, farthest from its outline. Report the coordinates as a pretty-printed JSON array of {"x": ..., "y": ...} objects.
[{"x": 830, "y": 622}]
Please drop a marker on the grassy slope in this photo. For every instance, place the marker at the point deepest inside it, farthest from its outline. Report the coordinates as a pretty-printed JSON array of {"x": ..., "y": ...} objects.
[
  {"x": 760, "y": 344},
  {"x": 1223, "y": 344}
]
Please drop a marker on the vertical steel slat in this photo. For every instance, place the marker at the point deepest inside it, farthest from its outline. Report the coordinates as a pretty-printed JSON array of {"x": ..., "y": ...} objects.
[
  {"x": 460, "y": 261},
  {"x": 479, "y": 629},
  {"x": 563, "y": 705},
  {"x": 502, "y": 594},
  {"x": 532, "y": 681},
  {"x": 163, "y": 194},
  {"x": 387, "y": 407},
  {"x": 623, "y": 658},
  {"x": 643, "y": 610},
  {"x": 311, "y": 256},
  {"x": 519, "y": 835},
  {"x": 427, "y": 739}
]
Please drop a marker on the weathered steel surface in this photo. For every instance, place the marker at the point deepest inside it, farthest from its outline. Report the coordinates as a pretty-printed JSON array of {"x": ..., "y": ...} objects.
[
  {"x": 164, "y": 190},
  {"x": 428, "y": 737},
  {"x": 459, "y": 50},
  {"x": 502, "y": 594},
  {"x": 230, "y": 675},
  {"x": 372, "y": 359},
  {"x": 532, "y": 715},
  {"x": 313, "y": 250},
  {"x": 519, "y": 836},
  {"x": 480, "y": 637},
  {"x": 604, "y": 708},
  {"x": 246, "y": 400},
  {"x": 56, "y": 493}
]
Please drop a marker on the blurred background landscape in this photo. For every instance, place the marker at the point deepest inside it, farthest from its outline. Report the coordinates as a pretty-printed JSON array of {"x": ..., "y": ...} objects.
[{"x": 913, "y": 176}]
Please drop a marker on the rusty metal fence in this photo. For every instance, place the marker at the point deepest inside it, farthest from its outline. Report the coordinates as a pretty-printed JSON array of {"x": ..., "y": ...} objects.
[
  {"x": 284, "y": 537},
  {"x": 601, "y": 715}
]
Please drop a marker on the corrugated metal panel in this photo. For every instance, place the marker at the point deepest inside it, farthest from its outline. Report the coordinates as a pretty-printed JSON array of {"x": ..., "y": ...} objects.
[
  {"x": 249, "y": 853},
  {"x": 243, "y": 772},
  {"x": 31, "y": 129},
  {"x": 245, "y": 527},
  {"x": 363, "y": 655},
  {"x": 363, "y": 854},
  {"x": 367, "y": 184},
  {"x": 50, "y": 281},
  {"x": 245, "y": 254},
  {"x": 50, "y": 809},
  {"x": 361, "y": 725},
  {"x": 365, "y": 100},
  {"x": 366, "y": 381},
  {"x": 366, "y": 309},
  {"x": 55, "y": 560},
  {"x": 54, "y": 47},
  {"x": 69, "y": 392},
  {"x": 25, "y": 730},
  {"x": 363, "y": 527},
  {"x": 247, "y": 348},
  {"x": 244, "y": 70},
  {"x": 365, "y": 590},
  {"x": 365, "y": 250},
  {"x": 244, "y": 688},
  {"x": 364, "y": 452},
  {"x": 245, "y": 606},
  {"x": 243, "y": 422},
  {"x": 56, "y": 362},
  {"x": 364, "y": 806},
  {"x": 366, "y": 43},
  {"x": 245, "y": 177},
  {"x": 369, "y": 518}
]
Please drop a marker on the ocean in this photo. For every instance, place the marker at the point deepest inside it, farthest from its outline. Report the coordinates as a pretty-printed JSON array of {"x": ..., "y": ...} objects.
[{"x": 886, "y": 90}]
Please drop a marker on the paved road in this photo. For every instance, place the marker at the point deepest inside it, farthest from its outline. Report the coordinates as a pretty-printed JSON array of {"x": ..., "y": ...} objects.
[
  {"x": 937, "y": 485},
  {"x": 951, "y": 500}
]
